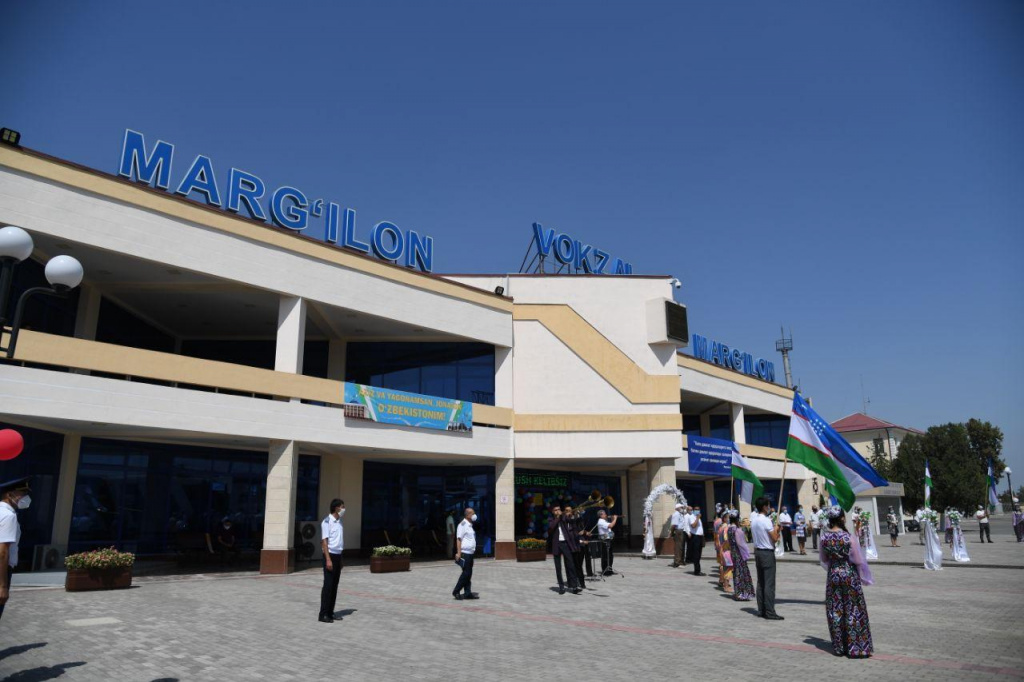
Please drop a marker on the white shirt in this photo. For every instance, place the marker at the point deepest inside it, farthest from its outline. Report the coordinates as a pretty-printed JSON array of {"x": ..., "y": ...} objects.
[
  {"x": 784, "y": 520},
  {"x": 449, "y": 525},
  {"x": 332, "y": 531},
  {"x": 10, "y": 531},
  {"x": 561, "y": 535},
  {"x": 699, "y": 528},
  {"x": 678, "y": 520},
  {"x": 466, "y": 533},
  {"x": 761, "y": 527},
  {"x": 603, "y": 527},
  {"x": 917, "y": 515},
  {"x": 815, "y": 521},
  {"x": 982, "y": 518}
]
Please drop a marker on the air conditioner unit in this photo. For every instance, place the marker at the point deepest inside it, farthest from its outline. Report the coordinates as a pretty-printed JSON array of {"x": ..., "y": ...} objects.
[
  {"x": 48, "y": 558},
  {"x": 307, "y": 540}
]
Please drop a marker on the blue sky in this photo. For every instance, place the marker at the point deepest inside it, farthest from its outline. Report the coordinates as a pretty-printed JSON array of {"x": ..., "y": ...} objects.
[{"x": 853, "y": 171}]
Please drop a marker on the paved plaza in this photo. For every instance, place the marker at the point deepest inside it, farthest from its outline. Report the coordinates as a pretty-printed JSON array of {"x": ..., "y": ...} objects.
[{"x": 960, "y": 623}]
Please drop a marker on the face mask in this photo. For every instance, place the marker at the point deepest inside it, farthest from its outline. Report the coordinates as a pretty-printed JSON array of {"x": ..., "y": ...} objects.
[
  {"x": 24, "y": 502},
  {"x": 341, "y": 512},
  {"x": 473, "y": 518}
]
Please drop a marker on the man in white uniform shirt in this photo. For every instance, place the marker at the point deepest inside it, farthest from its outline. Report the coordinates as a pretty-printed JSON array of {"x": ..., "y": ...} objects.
[
  {"x": 696, "y": 547},
  {"x": 465, "y": 548},
  {"x": 765, "y": 535},
  {"x": 331, "y": 543},
  {"x": 604, "y": 532},
  {"x": 983, "y": 526},
  {"x": 679, "y": 525},
  {"x": 13, "y": 495},
  {"x": 786, "y": 523}
]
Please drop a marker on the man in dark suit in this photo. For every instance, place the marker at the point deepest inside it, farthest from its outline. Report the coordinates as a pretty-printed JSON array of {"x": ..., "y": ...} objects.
[{"x": 564, "y": 544}]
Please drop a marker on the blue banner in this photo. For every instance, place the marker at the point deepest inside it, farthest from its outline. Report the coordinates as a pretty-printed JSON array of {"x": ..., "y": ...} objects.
[
  {"x": 410, "y": 409},
  {"x": 710, "y": 456}
]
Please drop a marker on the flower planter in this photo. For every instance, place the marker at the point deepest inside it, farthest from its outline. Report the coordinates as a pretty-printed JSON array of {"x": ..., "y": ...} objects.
[
  {"x": 389, "y": 564},
  {"x": 531, "y": 554},
  {"x": 82, "y": 579}
]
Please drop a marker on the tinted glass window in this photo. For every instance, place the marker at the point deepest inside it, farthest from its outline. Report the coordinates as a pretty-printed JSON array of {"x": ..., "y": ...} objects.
[
  {"x": 462, "y": 371},
  {"x": 769, "y": 430}
]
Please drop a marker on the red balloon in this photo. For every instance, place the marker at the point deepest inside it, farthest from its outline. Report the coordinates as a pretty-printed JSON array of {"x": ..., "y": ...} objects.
[{"x": 11, "y": 444}]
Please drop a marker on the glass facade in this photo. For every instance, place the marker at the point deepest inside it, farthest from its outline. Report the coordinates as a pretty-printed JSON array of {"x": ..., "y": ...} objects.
[
  {"x": 154, "y": 499},
  {"x": 460, "y": 371},
  {"x": 721, "y": 426},
  {"x": 41, "y": 460},
  {"x": 405, "y": 504},
  {"x": 537, "y": 490},
  {"x": 769, "y": 430},
  {"x": 691, "y": 424},
  {"x": 789, "y": 498}
]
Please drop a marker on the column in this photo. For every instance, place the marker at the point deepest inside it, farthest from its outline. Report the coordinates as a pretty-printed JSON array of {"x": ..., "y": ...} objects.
[
  {"x": 291, "y": 335},
  {"x": 638, "y": 492},
  {"x": 705, "y": 425},
  {"x": 87, "y": 316},
  {"x": 66, "y": 491},
  {"x": 659, "y": 472},
  {"x": 503, "y": 377},
  {"x": 351, "y": 491},
  {"x": 709, "y": 503},
  {"x": 504, "y": 509},
  {"x": 337, "y": 350},
  {"x": 739, "y": 428},
  {"x": 278, "y": 554}
]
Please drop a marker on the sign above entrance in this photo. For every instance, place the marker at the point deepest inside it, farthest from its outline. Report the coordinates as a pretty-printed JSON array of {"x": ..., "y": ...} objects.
[
  {"x": 542, "y": 480},
  {"x": 409, "y": 409},
  {"x": 732, "y": 358},
  {"x": 288, "y": 207},
  {"x": 710, "y": 456}
]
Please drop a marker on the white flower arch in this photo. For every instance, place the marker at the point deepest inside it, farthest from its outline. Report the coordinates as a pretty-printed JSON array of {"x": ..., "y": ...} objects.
[{"x": 664, "y": 489}]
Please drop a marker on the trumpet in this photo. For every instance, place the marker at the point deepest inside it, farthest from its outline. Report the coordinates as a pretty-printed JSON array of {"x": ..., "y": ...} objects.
[{"x": 596, "y": 500}]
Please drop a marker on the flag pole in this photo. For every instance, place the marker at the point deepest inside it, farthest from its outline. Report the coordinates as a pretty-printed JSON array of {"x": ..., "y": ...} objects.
[
  {"x": 732, "y": 490},
  {"x": 782, "y": 483}
]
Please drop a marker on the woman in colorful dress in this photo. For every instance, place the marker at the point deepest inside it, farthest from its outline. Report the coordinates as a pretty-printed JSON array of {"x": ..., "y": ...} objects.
[
  {"x": 725, "y": 567},
  {"x": 848, "y": 572},
  {"x": 893, "y": 522},
  {"x": 743, "y": 584}
]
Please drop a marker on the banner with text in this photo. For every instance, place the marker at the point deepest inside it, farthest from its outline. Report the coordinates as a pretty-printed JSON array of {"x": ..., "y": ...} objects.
[
  {"x": 710, "y": 456},
  {"x": 410, "y": 409}
]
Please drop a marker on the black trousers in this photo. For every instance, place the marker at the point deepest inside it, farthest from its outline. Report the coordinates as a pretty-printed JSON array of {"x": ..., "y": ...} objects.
[
  {"x": 329, "y": 592},
  {"x": 563, "y": 555},
  {"x": 577, "y": 561},
  {"x": 787, "y": 539},
  {"x": 465, "y": 583},
  {"x": 589, "y": 562},
  {"x": 814, "y": 536},
  {"x": 984, "y": 532},
  {"x": 764, "y": 560},
  {"x": 695, "y": 550},
  {"x": 607, "y": 556}
]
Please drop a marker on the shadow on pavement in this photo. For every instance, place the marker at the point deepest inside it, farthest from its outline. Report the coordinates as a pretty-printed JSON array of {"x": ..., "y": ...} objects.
[
  {"x": 43, "y": 672},
  {"x": 344, "y": 612},
  {"x": 20, "y": 649},
  {"x": 817, "y": 602},
  {"x": 819, "y": 643}
]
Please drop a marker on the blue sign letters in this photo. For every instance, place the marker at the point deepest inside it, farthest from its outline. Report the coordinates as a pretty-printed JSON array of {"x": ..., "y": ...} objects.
[
  {"x": 576, "y": 255},
  {"x": 289, "y": 206},
  {"x": 732, "y": 358}
]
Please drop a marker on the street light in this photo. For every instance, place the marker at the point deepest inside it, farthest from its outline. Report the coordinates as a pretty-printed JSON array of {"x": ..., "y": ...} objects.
[
  {"x": 1009, "y": 483},
  {"x": 64, "y": 273}
]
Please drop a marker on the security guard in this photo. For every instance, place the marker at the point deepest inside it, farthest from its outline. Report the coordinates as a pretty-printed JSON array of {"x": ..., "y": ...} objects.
[{"x": 13, "y": 495}]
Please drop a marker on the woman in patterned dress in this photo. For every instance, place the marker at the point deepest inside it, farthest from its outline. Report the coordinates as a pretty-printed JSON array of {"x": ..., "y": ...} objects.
[
  {"x": 848, "y": 571},
  {"x": 742, "y": 583},
  {"x": 725, "y": 567}
]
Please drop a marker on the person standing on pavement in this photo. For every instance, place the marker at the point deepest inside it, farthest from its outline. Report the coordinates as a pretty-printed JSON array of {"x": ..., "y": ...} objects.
[
  {"x": 815, "y": 526},
  {"x": 765, "y": 536},
  {"x": 893, "y": 522},
  {"x": 465, "y": 548},
  {"x": 983, "y": 530},
  {"x": 449, "y": 534},
  {"x": 800, "y": 524},
  {"x": 786, "y": 523},
  {"x": 332, "y": 542},
  {"x": 696, "y": 541},
  {"x": 678, "y": 522},
  {"x": 13, "y": 495},
  {"x": 561, "y": 530},
  {"x": 919, "y": 517},
  {"x": 605, "y": 534}
]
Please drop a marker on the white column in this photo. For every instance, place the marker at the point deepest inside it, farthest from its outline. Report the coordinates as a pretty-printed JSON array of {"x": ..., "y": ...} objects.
[
  {"x": 279, "y": 513},
  {"x": 337, "y": 350},
  {"x": 505, "y": 510},
  {"x": 705, "y": 425},
  {"x": 291, "y": 334},
  {"x": 659, "y": 472},
  {"x": 66, "y": 490},
  {"x": 503, "y": 377},
  {"x": 739, "y": 429},
  {"x": 87, "y": 316}
]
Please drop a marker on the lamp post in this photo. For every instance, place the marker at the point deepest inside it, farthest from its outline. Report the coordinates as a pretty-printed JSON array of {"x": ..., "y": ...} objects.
[
  {"x": 64, "y": 273},
  {"x": 1009, "y": 483}
]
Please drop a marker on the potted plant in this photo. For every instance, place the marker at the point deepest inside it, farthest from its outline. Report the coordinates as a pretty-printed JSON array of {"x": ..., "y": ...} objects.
[
  {"x": 531, "y": 549},
  {"x": 389, "y": 559},
  {"x": 100, "y": 569}
]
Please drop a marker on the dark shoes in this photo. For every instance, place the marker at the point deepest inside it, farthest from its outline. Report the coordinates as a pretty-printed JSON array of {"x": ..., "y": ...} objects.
[
  {"x": 561, "y": 590},
  {"x": 325, "y": 619},
  {"x": 700, "y": 574},
  {"x": 773, "y": 616},
  {"x": 471, "y": 595},
  {"x": 458, "y": 596},
  {"x": 576, "y": 591}
]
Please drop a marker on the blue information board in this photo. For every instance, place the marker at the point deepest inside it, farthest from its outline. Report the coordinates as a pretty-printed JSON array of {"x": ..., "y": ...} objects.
[{"x": 710, "y": 456}]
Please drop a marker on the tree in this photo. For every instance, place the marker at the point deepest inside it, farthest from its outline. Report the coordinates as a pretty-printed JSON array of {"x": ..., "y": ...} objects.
[
  {"x": 958, "y": 456},
  {"x": 880, "y": 460}
]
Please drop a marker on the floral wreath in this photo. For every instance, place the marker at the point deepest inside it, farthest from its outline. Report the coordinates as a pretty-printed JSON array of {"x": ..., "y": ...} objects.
[{"x": 664, "y": 489}]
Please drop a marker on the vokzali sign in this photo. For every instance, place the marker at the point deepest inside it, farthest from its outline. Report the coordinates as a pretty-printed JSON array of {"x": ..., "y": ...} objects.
[
  {"x": 732, "y": 358},
  {"x": 577, "y": 255},
  {"x": 286, "y": 206}
]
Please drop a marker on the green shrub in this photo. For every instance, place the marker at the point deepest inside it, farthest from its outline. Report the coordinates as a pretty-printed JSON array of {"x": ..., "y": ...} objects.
[
  {"x": 391, "y": 550},
  {"x": 531, "y": 543},
  {"x": 100, "y": 558}
]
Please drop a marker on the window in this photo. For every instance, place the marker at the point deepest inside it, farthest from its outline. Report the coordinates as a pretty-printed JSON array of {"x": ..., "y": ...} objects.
[
  {"x": 691, "y": 424},
  {"x": 721, "y": 426},
  {"x": 119, "y": 326},
  {"x": 769, "y": 430},
  {"x": 877, "y": 447},
  {"x": 460, "y": 371}
]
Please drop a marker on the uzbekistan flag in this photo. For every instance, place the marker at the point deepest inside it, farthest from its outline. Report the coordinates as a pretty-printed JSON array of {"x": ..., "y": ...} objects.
[
  {"x": 750, "y": 485},
  {"x": 816, "y": 445},
  {"x": 993, "y": 498},
  {"x": 927, "y": 486}
]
